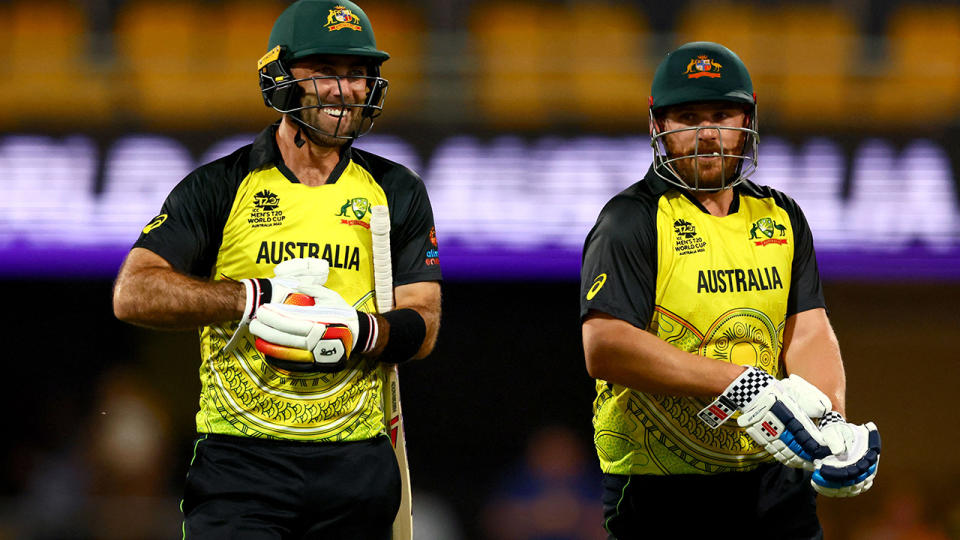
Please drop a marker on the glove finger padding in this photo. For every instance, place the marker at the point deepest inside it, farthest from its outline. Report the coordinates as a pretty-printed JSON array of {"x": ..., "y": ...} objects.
[
  {"x": 813, "y": 402},
  {"x": 776, "y": 422},
  {"x": 305, "y": 338},
  {"x": 851, "y": 472},
  {"x": 324, "y": 297},
  {"x": 316, "y": 269}
]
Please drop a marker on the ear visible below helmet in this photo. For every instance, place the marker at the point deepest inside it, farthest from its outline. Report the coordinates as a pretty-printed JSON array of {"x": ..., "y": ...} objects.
[
  {"x": 321, "y": 27},
  {"x": 698, "y": 72}
]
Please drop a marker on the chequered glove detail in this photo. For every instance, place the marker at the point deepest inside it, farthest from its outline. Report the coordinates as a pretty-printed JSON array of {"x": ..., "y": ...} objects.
[
  {"x": 831, "y": 417},
  {"x": 741, "y": 392},
  {"x": 747, "y": 387}
]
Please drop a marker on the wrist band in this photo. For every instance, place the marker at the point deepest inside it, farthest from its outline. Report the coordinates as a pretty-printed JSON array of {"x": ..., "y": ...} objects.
[
  {"x": 407, "y": 332},
  {"x": 258, "y": 289},
  {"x": 367, "y": 333}
]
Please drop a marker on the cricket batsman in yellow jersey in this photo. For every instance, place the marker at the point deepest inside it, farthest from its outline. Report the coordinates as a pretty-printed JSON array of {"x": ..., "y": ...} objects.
[
  {"x": 720, "y": 385},
  {"x": 268, "y": 252}
]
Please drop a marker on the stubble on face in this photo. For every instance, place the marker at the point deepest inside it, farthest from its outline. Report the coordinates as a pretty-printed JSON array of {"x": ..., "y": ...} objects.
[
  {"x": 328, "y": 126},
  {"x": 706, "y": 172}
]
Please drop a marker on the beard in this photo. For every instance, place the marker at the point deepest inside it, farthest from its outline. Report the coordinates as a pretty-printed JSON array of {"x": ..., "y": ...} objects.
[
  {"x": 705, "y": 171},
  {"x": 702, "y": 172},
  {"x": 347, "y": 125}
]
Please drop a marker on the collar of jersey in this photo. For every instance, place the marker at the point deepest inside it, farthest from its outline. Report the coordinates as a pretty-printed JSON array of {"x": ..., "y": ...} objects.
[
  {"x": 265, "y": 151},
  {"x": 658, "y": 187}
]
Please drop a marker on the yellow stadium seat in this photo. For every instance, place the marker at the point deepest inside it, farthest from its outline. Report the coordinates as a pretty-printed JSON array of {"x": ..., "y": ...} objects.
[
  {"x": 515, "y": 44},
  {"x": 237, "y": 35},
  {"x": 920, "y": 83},
  {"x": 159, "y": 45},
  {"x": 47, "y": 75},
  {"x": 749, "y": 32},
  {"x": 605, "y": 51},
  {"x": 541, "y": 64},
  {"x": 818, "y": 47},
  {"x": 401, "y": 32}
]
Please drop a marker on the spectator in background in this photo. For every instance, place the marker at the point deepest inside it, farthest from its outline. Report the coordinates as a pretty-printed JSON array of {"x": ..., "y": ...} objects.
[
  {"x": 113, "y": 482},
  {"x": 552, "y": 494}
]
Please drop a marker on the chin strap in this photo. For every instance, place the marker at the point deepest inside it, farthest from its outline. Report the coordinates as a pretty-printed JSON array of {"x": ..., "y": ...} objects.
[{"x": 298, "y": 139}]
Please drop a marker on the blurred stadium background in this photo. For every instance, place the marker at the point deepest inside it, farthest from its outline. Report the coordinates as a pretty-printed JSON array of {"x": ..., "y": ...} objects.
[{"x": 522, "y": 117}]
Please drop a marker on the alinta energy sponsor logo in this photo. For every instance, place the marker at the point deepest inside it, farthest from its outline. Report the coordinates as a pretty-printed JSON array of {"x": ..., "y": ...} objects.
[
  {"x": 767, "y": 227},
  {"x": 433, "y": 254},
  {"x": 266, "y": 210},
  {"x": 355, "y": 208},
  {"x": 338, "y": 255},
  {"x": 687, "y": 239}
]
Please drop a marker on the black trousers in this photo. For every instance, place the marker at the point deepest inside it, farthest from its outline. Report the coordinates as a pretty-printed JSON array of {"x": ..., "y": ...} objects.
[
  {"x": 243, "y": 488},
  {"x": 772, "y": 502}
]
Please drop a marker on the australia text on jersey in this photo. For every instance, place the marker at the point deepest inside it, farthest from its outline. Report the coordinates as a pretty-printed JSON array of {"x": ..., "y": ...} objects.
[
  {"x": 739, "y": 280},
  {"x": 338, "y": 255}
]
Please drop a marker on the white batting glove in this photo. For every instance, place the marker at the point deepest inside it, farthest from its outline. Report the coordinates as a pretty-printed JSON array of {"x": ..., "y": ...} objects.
[
  {"x": 773, "y": 417},
  {"x": 851, "y": 468},
  {"x": 319, "y": 337},
  {"x": 292, "y": 276},
  {"x": 813, "y": 402}
]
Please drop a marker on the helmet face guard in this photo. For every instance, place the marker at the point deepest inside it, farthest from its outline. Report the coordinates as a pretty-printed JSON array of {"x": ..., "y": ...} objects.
[
  {"x": 703, "y": 72},
  {"x": 285, "y": 94},
  {"x": 746, "y": 158}
]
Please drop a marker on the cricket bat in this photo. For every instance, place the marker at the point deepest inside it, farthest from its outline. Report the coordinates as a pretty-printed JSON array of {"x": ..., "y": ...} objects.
[{"x": 393, "y": 416}]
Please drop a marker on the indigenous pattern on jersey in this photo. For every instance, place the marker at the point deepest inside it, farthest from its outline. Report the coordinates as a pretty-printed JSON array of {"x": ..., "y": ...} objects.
[
  {"x": 239, "y": 217},
  {"x": 720, "y": 287}
]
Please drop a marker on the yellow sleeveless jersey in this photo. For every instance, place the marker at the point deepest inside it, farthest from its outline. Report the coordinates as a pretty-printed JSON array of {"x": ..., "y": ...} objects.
[
  {"x": 238, "y": 218},
  {"x": 720, "y": 287}
]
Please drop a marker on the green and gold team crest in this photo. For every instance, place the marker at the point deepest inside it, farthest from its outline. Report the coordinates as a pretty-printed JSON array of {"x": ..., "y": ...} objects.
[
  {"x": 764, "y": 229},
  {"x": 356, "y": 208},
  {"x": 661, "y": 434}
]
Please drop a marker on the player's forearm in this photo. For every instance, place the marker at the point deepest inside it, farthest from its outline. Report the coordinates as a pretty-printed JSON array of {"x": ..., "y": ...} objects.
[
  {"x": 424, "y": 298},
  {"x": 156, "y": 296},
  {"x": 620, "y": 353},
  {"x": 811, "y": 350}
]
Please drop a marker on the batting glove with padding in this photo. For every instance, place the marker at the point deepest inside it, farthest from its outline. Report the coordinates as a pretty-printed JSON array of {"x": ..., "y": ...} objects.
[
  {"x": 851, "y": 468},
  {"x": 776, "y": 414},
  {"x": 317, "y": 337},
  {"x": 290, "y": 277}
]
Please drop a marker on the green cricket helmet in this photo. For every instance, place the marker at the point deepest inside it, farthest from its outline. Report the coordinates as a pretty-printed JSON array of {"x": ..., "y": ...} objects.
[
  {"x": 321, "y": 27},
  {"x": 699, "y": 72}
]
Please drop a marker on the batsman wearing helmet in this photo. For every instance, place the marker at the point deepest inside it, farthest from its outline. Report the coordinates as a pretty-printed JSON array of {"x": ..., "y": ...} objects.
[
  {"x": 720, "y": 385},
  {"x": 269, "y": 252}
]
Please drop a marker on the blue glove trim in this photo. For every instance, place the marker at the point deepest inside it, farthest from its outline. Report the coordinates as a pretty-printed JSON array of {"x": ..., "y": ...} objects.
[
  {"x": 795, "y": 437},
  {"x": 821, "y": 481}
]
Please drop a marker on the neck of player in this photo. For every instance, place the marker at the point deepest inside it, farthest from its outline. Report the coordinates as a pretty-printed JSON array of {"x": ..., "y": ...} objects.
[
  {"x": 311, "y": 163},
  {"x": 716, "y": 202}
]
